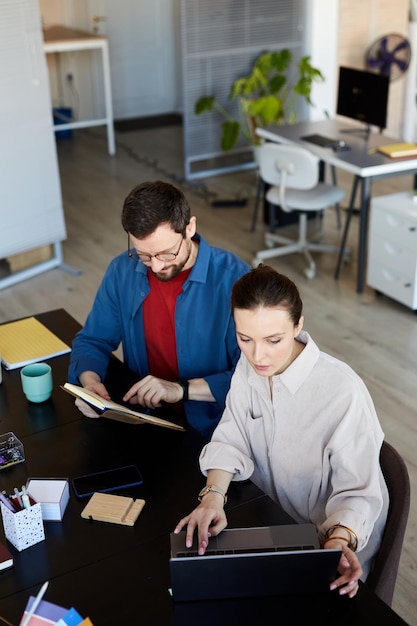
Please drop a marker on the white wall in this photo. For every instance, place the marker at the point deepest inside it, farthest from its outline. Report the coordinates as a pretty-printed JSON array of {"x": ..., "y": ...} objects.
[{"x": 322, "y": 41}]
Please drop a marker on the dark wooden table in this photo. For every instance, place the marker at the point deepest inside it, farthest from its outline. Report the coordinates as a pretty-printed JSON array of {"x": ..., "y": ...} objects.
[{"x": 120, "y": 575}]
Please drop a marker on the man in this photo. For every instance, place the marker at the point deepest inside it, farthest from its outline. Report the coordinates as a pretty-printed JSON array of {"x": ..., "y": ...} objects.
[{"x": 167, "y": 301}]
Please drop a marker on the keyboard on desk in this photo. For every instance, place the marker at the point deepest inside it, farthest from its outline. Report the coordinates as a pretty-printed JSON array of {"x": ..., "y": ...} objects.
[
  {"x": 217, "y": 552},
  {"x": 321, "y": 140}
]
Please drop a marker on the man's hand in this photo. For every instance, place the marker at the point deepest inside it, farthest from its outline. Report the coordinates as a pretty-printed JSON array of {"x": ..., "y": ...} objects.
[
  {"x": 151, "y": 391},
  {"x": 91, "y": 382}
]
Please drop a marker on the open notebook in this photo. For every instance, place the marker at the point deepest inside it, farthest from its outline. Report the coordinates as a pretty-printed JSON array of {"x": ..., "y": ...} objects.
[{"x": 260, "y": 561}]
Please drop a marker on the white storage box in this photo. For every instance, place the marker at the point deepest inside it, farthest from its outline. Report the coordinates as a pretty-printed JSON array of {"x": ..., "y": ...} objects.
[{"x": 52, "y": 494}]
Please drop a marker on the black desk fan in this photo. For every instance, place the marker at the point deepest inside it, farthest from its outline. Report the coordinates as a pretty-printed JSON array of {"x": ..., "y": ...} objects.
[{"x": 389, "y": 55}]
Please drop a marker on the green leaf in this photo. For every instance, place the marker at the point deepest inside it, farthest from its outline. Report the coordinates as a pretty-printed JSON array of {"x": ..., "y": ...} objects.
[
  {"x": 281, "y": 59},
  {"x": 230, "y": 135},
  {"x": 238, "y": 88},
  {"x": 203, "y": 104},
  {"x": 268, "y": 109},
  {"x": 248, "y": 85},
  {"x": 263, "y": 64},
  {"x": 276, "y": 83}
]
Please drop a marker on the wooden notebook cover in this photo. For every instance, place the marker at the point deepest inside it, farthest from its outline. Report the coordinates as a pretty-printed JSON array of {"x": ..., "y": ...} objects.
[{"x": 106, "y": 507}]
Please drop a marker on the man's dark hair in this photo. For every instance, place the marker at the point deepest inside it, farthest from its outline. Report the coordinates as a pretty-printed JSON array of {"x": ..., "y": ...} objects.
[{"x": 151, "y": 204}]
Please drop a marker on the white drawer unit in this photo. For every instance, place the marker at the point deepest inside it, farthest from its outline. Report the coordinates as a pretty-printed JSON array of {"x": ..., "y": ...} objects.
[{"x": 392, "y": 250}]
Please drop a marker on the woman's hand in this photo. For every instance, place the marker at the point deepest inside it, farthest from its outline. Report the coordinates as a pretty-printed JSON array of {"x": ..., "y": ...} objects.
[
  {"x": 209, "y": 519},
  {"x": 349, "y": 568}
]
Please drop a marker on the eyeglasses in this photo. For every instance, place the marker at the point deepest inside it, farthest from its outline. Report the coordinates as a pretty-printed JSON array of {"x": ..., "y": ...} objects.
[{"x": 147, "y": 258}]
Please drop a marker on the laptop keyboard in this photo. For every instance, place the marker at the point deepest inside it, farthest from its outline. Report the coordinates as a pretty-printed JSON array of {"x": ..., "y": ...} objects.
[{"x": 217, "y": 552}]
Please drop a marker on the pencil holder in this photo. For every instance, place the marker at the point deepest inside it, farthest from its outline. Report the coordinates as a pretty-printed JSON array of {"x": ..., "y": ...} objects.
[{"x": 23, "y": 528}]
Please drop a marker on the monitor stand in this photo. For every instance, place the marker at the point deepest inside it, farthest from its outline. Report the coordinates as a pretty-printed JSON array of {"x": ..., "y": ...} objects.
[{"x": 366, "y": 130}]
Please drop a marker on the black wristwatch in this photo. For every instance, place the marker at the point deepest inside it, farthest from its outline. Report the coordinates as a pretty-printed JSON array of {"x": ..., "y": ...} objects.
[{"x": 185, "y": 388}]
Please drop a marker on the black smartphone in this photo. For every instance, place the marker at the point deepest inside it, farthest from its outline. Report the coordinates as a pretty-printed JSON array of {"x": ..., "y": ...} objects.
[{"x": 107, "y": 481}]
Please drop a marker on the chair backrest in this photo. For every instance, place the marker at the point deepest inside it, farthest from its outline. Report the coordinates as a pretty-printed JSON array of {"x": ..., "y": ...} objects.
[
  {"x": 298, "y": 166},
  {"x": 383, "y": 576}
]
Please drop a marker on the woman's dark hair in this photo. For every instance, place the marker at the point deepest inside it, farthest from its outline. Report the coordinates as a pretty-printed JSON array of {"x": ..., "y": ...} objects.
[
  {"x": 265, "y": 287},
  {"x": 151, "y": 204}
]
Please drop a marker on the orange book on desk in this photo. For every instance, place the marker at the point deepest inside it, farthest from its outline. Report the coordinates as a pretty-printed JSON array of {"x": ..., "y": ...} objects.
[{"x": 398, "y": 150}]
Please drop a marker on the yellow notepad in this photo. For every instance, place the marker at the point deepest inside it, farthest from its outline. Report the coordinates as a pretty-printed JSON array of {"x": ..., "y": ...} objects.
[
  {"x": 28, "y": 341},
  {"x": 398, "y": 150}
]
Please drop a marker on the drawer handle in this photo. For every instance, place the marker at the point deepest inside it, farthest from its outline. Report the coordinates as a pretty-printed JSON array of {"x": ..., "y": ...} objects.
[
  {"x": 392, "y": 250},
  {"x": 393, "y": 221}
]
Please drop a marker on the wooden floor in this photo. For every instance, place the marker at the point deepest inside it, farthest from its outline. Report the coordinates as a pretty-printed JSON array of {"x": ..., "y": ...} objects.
[{"x": 375, "y": 335}]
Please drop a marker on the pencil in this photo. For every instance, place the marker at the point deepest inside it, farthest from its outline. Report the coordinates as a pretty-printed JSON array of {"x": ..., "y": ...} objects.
[{"x": 35, "y": 603}]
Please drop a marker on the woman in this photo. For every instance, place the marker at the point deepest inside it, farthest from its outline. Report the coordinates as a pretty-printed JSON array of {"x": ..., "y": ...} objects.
[{"x": 302, "y": 425}]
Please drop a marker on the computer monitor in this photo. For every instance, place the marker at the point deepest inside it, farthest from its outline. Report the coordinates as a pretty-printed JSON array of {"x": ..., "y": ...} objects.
[{"x": 363, "y": 96}]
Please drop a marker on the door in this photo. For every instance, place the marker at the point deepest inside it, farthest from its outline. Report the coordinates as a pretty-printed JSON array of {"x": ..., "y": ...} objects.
[{"x": 144, "y": 54}]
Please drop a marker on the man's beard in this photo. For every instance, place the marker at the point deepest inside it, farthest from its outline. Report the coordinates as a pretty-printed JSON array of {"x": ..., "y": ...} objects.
[{"x": 174, "y": 270}]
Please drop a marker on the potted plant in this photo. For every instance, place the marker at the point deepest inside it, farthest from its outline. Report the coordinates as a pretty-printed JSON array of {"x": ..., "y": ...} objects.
[{"x": 268, "y": 95}]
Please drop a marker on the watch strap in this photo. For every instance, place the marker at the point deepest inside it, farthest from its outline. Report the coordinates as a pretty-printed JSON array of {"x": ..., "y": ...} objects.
[{"x": 185, "y": 389}]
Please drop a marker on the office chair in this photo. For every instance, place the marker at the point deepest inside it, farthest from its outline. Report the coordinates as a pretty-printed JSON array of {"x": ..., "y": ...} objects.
[
  {"x": 383, "y": 575},
  {"x": 260, "y": 190},
  {"x": 293, "y": 173}
]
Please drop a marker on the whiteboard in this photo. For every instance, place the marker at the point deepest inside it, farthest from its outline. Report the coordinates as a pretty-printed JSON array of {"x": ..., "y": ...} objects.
[{"x": 31, "y": 212}]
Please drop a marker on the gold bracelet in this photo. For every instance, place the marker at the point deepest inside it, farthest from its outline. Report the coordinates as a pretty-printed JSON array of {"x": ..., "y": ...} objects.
[
  {"x": 352, "y": 541},
  {"x": 336, "y": 537},
  {"x": 205, "y": 490}
]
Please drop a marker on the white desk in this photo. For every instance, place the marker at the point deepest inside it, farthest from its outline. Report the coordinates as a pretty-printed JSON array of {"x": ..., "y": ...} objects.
[
  {"x": 63, "y": 39},
  {"x": 360, "y": 161}
]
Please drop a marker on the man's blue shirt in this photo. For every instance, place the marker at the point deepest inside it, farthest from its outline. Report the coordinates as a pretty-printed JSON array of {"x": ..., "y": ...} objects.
[{"x": 204, "y": 327}]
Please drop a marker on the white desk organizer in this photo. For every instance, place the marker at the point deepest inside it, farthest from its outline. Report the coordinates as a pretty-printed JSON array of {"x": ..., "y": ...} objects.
[{"x": 23, "y": 528}]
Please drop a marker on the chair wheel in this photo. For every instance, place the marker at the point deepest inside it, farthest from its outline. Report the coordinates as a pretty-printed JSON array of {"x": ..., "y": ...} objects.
[
  {"x": 347, "y": 257},
  {"x": 269, "y": 243},
  {"x": 310, "y": 272}
]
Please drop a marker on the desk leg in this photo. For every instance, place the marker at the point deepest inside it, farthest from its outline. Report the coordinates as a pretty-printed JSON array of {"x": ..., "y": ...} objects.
[
  {"x": 363, "y": 231},
  {"x": 346, "y": 229},
  {"x": 259, "y": 191},
  {"x": 108, "y": 100}
]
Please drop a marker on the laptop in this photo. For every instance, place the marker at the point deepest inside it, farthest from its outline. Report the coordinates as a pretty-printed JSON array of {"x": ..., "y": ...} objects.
[{"x": 252, "y": 562}]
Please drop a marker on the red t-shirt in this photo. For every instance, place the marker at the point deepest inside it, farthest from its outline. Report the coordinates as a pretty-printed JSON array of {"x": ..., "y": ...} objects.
[{"x": 159, "y": 323}]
